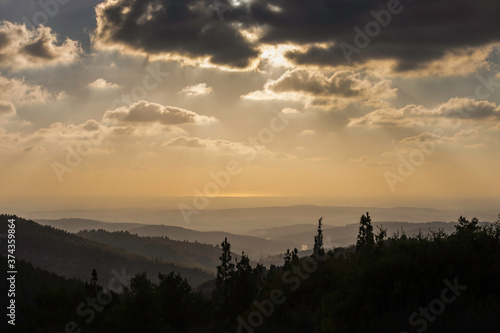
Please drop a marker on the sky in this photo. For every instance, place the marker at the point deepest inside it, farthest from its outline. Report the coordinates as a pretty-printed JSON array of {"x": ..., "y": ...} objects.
[{"x": 199, "y": 99}]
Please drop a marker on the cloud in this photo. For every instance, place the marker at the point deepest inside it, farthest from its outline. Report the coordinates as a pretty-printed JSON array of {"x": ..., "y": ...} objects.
[
  {"x": 191, "y": 29},
  {"x": 323, "y": 89},
  {"x": 197, "y": 89},
  {"x": 478, "y": 146},
  {"x": 91, "y": 125},
  {"x": 53, "y": 138},
  {"x": 468, "y": 108},
  {"x": 318, "y": 159},
  {"x": 387, "y": 117},
  {"x": 23, "y": 48},
  {"x": 418, "y": 115},
  {"x": 184, "y": 141},
  {"x": 224, "y": 147},
  {"x": 307, "y": 132},
  {"x": 424, "y": 137},
  {"x": 103, "y": 84},
  {"x": 456, "y": 62},
  {"x": 214, "y": 145},
  {"x": 465, "y": 134},
  {"x": 368, "y": 161},
  {"x": 16, "y": 92},
  {"x": 145, "y": 112},
  {"x": 7, "y": 109},
  {"x": 333, "y": 22},
  {"x": 104, "y": 137},
  {"x": 341, "y": 83},
  {"x": 468, "y": 134},
  {"x": 290, "y": 111}
]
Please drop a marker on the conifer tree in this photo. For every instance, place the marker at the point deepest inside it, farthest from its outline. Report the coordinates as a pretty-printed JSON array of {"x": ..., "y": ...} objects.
[
  {"x": 288, "y": 260},
  {"x": 225, "y": 273},
  {"x": 246, "y": 285},
  {"x": 365, "y": 237},
  {"x": 318, "y": 240},
  {"x": 93, "y": 282},
  {"x": 295, "y": 257}
]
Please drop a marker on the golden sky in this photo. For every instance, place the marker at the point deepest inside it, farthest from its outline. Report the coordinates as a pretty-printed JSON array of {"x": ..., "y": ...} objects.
[{"x": 123, "y": 98}]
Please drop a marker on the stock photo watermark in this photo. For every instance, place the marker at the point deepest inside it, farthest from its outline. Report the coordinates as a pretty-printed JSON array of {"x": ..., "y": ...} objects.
[
  {"x": 220, "y": 8},
  {"x": 91, "y": 305},
  {"x": 408, "y": 165},
  {"x": 222, "y": 178},
  {"x": 48, "y": 9},
  {"x": 293, "y": 279},
  {"x": 76, "y": 154},
  {"x": 420, "y": 320},
  {"x": 373, "y": 28}
]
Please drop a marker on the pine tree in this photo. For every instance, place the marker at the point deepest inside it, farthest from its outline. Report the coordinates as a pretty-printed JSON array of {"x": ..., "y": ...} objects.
[
  {"x": 93, "y": 282},
  {"x": 365, "y": 237},
  {"x": 318, "y": 240},
  {"x": 288, "y": 260},
  {"x": 291, "y": 259},
  {"x": 295, "y": 257},
  {"x": 225, "y": 273},
  {"x": 246, "y": 285},
  {"x": 382, "y": 234}
]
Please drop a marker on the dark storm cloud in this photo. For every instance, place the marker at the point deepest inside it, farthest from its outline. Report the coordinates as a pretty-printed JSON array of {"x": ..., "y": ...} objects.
[
  {"x": 189, "y": 27},
  {"x": 419, "y": 31}
]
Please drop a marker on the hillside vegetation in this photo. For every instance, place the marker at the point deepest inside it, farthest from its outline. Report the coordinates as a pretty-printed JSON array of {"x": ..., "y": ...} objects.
[
  {"x": 72, "y": 256},
  {"x": 434, "y": 282},
  {"x": 160, "y": 248}
]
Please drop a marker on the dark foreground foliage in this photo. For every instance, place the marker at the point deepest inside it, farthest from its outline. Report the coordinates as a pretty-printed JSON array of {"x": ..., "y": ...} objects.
[{"x": 428, "y": 283}]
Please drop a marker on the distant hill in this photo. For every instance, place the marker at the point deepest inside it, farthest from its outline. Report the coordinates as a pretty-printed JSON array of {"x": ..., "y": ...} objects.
[
  {"x": 344, "y": 236},
  {"x": 242, "y": 220},
  {"x": 181, "y": 253},
  {"x": 75, "y": 225},
  {"x": 72, "y": 256},
  {"x": 253, "y": 246},
  {"x": 30, "y": 281},
  {"x": 260, "y": 243}
]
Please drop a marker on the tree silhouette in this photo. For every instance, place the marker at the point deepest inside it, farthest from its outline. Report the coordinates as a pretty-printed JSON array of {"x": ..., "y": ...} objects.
[
  {"x": 246, "y": 285},
  {"x": 382, "y": 234},
  {"x": 365, "y": 238},
  {"x": 93, "y": 282},
  {"x": 176, "y": 298},
  {"x": 318, "y": 240},
  {"x": 465, "y": 225},
  {"x": 225, "y": 273},
  {"x": 287, "y": 260},
  {"x": 291, "y": 258},
  {"x": 295, "y": 257},
  {"x": 142, "y": 309}
]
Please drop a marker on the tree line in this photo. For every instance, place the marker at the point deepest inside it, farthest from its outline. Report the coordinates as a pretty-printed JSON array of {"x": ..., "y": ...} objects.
[{"x": 383, "y": 283}]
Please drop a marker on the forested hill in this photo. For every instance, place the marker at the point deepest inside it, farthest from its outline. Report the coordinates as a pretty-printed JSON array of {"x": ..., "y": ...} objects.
[
  {"x": 255, "y": 247},
  {"x": 192, "y": 254},
  {"x": 432, "y": 283},
  {"x": 72, "y": 256}
]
